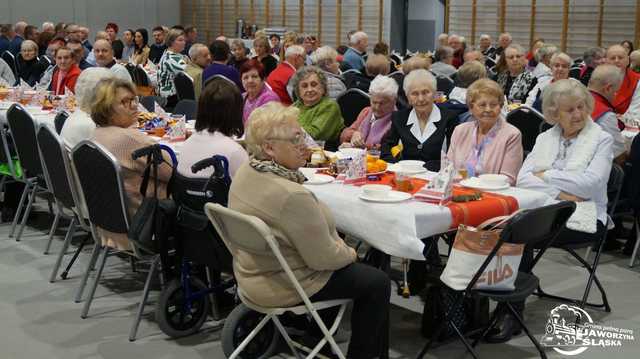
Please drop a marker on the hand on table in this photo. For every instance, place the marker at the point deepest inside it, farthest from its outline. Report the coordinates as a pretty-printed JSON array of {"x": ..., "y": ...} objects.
[{"x": 357, "y": 140}]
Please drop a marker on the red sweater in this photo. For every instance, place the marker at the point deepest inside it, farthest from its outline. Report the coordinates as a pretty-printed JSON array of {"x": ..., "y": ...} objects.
[
  {"x": 278, "y": 80},
  {"x": 68, "y": 81},
  {"x": 625, "y": 93}
]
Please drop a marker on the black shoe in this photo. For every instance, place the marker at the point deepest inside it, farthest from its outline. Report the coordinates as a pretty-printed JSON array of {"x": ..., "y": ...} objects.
[{"x": 506, "y": 327}]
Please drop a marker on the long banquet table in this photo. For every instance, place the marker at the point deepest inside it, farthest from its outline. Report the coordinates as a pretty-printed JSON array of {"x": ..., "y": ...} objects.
[
  {"x": 393, "y": 228},
  {"x": 396, "y": 228}
]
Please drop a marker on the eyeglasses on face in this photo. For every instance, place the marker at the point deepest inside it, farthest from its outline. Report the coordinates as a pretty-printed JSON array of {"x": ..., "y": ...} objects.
[{"x": 130, "y": 101}]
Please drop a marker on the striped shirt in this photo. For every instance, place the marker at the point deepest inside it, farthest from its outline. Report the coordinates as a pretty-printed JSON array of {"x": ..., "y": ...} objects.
[{"x": 170, "y": 64}]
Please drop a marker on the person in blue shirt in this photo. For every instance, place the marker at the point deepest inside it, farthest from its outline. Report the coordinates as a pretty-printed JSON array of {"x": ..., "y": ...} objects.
[
  {"x": 16, "y": 42},
  {"x": 354, "y": 57},
  {"x": 5, "y": 37},
  {"x": 220, "y": 53}
]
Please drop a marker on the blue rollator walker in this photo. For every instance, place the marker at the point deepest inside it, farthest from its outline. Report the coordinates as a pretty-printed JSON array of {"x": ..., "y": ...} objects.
[{"x": 200, "y": 255}]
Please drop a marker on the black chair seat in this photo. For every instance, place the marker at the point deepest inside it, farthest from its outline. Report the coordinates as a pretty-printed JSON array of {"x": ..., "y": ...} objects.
[{"x": 525, "y": 285}]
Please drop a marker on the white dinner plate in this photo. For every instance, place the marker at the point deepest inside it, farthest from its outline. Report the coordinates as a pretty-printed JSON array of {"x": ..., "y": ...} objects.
[
  {"x": 319, "y": 179},
  {"x": 393, "y": 196},
  {"x": 476, "y": 183},
  {"x": 395, "y": 167}
]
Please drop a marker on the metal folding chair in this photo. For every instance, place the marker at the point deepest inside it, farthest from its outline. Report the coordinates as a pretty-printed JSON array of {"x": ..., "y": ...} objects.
[
  {"x": 251, "y": 234},
  {"x": 23, "y": 131},
  {"x": 55, "y": 161},
  {"x": 100, "y": 178},
  {"x": 614, "y": 186},
  {"x": 529, "y": 227}
]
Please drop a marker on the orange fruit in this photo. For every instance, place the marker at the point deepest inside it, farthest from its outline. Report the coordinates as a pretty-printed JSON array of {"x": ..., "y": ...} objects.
[{"x": 382, "y": 165}]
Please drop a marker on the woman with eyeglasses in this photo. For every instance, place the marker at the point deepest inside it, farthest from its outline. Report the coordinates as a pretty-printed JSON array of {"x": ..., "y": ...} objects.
[
  {"x": 114, "y": 109},
  {"x": 269, "y": 186},
  {"x": 516, "y": 82}
]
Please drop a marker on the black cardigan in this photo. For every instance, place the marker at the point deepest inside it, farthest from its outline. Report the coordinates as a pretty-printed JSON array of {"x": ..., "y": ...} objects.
[{"x": 430, "y": 150}]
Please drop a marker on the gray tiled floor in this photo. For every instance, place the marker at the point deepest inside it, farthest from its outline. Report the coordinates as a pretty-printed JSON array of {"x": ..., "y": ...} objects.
[{"x": 40, "y": 320}]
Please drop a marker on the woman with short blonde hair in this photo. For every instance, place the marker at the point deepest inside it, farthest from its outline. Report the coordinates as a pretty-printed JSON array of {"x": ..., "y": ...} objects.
[
  {"x": 487, "y": 143},
  {"x": 114, "y": 109},
  {"x": 263, "y": 54},
  {"x": 29, "y": 68},
  {"x": 269, "y": 186}
]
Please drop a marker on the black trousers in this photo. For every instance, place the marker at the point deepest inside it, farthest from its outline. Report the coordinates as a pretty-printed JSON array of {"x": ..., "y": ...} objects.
[
  {"x": 565, "y": 237},
  {"x": 370, "y": 290}
]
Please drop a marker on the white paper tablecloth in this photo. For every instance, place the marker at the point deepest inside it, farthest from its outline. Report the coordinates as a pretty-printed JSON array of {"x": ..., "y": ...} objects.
[
  {"x": 396, "y": 228},
  {"x": 40, "y": 116}
]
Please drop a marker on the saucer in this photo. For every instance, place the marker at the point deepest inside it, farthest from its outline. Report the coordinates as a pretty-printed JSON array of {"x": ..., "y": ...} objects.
[
  {"x": 319, "y": 179},
  {"x": 393, "y": 196}
]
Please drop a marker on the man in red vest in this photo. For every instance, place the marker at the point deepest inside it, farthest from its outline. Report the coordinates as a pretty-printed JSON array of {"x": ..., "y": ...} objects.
[
  {"x": 603, "y": 85},
  {"x": 627, "y": 100},
  {"x": 294, "y": 58}
]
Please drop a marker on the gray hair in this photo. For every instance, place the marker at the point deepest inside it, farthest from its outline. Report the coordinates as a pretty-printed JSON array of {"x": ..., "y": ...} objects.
[
  {"x": 305, "y": 72},
  {"x": 48, "y": 24},
  {"x": 172, "y": 36},
  {"x": 505, "y": 34},
  {"x": 324, "y": 56},
  {"x": 545, "y": 52},
  {"x": 591, "y": 53},
  {"x": 606, "y": 75},
  {"x": 357, "y": 36},
  {"x": 485, "y": 36},
  {"x": 294, "y": 50},
  {"x": 384, "y": 86},
  {"x": 238, "y": 43},
  {"x": 86, "y": 85},
  {"x": 470, "y": 72},
  {"x": 563, "y": 91},
  {"x": 443, "y": 52},
  {"x": 26, "y": 44},
  {"x": 516, "y": 47},
  {"x": 195, "y": 49},
  {"x": 419, "y": 75},
  {"x": 562, "y": 57}
]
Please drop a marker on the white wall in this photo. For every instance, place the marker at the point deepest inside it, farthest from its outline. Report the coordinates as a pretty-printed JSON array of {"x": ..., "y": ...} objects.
[{"x": 93, "y": 13}]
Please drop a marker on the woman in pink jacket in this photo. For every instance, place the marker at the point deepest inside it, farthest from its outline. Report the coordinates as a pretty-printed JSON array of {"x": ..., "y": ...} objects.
[{"x": 488, "y": 144}]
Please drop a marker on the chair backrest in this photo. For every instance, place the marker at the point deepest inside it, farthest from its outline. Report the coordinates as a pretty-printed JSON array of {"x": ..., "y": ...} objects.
[
  {"x": 250, "y": 234},
  {"x": 56, "y": 162},
  {"x": 527, "y": 120},
  {"x": 149, "y": 102},
  {"x": 614, "y": 187},
  {"x": 444, "y": 84},
  {"x": 398, "y": 76},
  {"x": 138, "y": 75},
  {"x": 101, "y": 182},
  {"x": 23, "y": 130},
  {"x": 59, "y": 121},
  {"x": 530, "y": 227},
  {"x": 351, "y": 102},
  {"x": 184, "y": 86},
  {"x": 8, "y": 57},
  {"x": 188, "y": 108},
  {"x": 544, "y": 125}
]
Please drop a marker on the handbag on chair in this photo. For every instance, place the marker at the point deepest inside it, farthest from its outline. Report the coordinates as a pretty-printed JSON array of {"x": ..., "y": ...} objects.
[{"x": 470, "y": 249}]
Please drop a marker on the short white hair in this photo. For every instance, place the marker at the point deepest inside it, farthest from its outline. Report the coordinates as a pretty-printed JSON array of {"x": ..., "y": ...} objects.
[
  {"x": 294, "y": 50},
  {"x": 26, "y": 44},
  {"x": 505, "y": 34},
  {"x": 516, "y": 47},
  {"x": 454, "y": 36},
  {"x": 324, "y": 56},
  {"x": 357, "y": 36},
  {"x": 384, "y": 86},
  {"x": 561, "y": 91},
  {"x": 546, "y": 51},
  {"x": 419, "y": 75},
  {"x": 195, "y": 49},
  {"x": 86, "y": 85},
  {"x": 48, "y": 24},
  {"x": 562, "y": 57},
  {"x": 605, "y": 74},
  {"x": 485, "y": 36}
]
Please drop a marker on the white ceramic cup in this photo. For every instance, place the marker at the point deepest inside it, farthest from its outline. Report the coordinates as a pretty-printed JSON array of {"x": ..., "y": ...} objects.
[
  {"x": 378, "y": 191},
  {"x": 494, "y": 179},
  {"x": 412, "y": 165}
]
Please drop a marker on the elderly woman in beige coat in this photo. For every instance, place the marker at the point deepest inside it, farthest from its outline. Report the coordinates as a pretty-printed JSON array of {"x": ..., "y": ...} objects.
[{"x": 269, "y": 187}]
